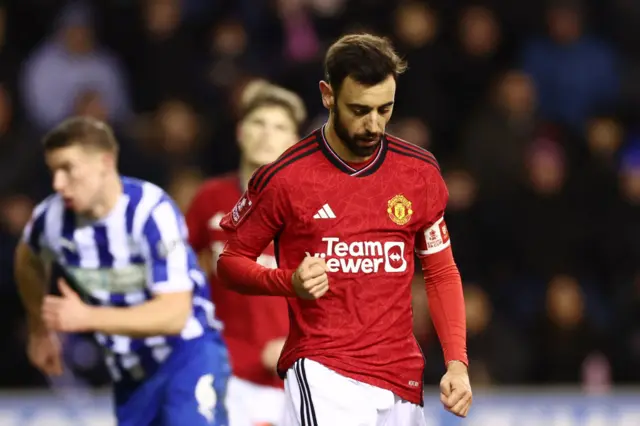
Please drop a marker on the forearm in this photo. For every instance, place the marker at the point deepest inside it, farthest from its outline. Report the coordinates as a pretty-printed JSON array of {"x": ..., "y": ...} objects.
[
  {"x": 244, "y": 275},
  {"x": 153, "y": 318},
  {"x": 31, "y": 278},
  {"x": 446, "y": 305}
]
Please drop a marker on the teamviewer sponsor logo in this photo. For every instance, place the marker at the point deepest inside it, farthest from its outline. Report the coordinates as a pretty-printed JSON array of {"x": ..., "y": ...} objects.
[
  {"x": 394, "y": 260},
  {"x": 365, "y": 257}
]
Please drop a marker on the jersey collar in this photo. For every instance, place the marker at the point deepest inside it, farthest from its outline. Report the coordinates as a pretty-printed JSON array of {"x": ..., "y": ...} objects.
[{"x": 343, "y": 166}]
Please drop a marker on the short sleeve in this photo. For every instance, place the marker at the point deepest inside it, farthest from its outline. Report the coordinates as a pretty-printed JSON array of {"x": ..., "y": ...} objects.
[
  {"x": 166, "y": 250},
  {"x": 433, "y": 236},
  {"x": 196, "y": 218},
  {"x": 257, "y": 217},
  {"x": 34, "y": 234}
]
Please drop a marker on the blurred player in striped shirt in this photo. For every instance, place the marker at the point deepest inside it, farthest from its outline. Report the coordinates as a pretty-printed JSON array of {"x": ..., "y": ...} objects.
[
  {"x": 130, "y": 277},
  {"x": 255, "y": 326}
]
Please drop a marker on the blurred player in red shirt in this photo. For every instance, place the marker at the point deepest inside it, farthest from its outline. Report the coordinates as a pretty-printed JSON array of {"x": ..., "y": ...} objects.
[
  {"x": 255, "y": 327},
  {"x": 347, "y": 207}
]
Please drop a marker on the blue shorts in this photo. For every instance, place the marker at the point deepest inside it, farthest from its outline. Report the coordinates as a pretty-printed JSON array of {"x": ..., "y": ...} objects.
[{"x": 188, "y": 389}]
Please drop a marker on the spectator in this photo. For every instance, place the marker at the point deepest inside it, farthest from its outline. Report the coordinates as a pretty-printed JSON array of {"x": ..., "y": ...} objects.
[
  {"x": 565, "y": 334},
  {"x": 575, "y": 73},
  {"x": 21, "y": 166},
  {"x": 494, "y": 145},
  {"x": 165, "y": 61},
  {"x": 67, "y": 64}
]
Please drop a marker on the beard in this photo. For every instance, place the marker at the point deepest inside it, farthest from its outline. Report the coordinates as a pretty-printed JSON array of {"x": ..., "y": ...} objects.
[{"x": 360, "y": 143}]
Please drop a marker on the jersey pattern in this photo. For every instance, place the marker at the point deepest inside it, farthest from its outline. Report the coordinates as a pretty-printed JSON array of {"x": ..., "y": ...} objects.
[
  {"x": 138, "y": 250},
  {"x": 366, "y": 223}
]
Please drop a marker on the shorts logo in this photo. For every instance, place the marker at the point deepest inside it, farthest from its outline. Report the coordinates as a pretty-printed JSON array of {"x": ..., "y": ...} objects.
[
  {"x": 241, "y": 208},
  {"x": 399, "y": 209},
  {"x": 206, "y": 397}
]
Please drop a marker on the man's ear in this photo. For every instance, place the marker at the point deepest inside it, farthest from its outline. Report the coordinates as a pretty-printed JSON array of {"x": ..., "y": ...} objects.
[
  {"x": 109, "y": 160},
  {"x": 328, "y": 100}
]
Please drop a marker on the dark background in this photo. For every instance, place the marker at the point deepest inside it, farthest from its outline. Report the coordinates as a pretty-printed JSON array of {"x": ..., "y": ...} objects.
[{"x": 531, "y": 108}]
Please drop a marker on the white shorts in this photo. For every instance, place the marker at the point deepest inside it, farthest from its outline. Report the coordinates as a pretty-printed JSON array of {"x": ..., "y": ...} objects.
[
  {"x": 318, "y": 396},
  {"x": 249, "y": 404}
]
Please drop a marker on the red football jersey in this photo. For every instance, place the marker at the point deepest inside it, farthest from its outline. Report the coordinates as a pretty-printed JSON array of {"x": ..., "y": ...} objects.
[
  {"x": 366, "y": 223},
  {"x": 249, "y": 321}
]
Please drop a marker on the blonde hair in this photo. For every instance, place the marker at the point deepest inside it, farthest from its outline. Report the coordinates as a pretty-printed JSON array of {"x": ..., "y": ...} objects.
[
  {"x": 82, "y": 131},
  {"x": 260, "y": 93}
]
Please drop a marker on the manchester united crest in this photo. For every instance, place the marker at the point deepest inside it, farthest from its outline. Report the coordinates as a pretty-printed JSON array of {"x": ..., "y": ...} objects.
[{"x": 399, "y": 209}]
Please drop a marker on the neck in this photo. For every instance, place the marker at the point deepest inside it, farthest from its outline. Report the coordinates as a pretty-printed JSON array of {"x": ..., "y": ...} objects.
[
  {"x": 338, "y": 144},
  {"x": 246, "y": 171},
  {"x": 112, "y": 191}
]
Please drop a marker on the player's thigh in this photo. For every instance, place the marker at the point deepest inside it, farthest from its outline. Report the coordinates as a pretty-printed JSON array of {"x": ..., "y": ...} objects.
[
  {"x": 196, "y": 393},
  {"x": 139, "y": 405},
  {"x": 403, "y": 413},
  {"x": 250, "y": 404},
  {"x": 318, "y": 396}
]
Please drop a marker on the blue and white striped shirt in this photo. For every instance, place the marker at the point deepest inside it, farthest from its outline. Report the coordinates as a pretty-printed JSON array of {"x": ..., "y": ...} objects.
[{"x": 139, "y": 249}]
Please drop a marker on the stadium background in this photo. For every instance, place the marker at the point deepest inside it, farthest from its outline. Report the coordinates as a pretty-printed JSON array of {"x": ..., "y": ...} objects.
[{"x": 532, "y": 109}]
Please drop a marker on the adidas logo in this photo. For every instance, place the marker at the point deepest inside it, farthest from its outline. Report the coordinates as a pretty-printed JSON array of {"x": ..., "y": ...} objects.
[{"x": 325, "y": 213}]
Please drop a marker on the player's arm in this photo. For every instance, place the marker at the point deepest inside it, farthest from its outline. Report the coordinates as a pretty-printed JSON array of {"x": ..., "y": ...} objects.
[
  {"x": 446, "y": 301},
  {"x": 31, "y": 270},
  {"x": 31, "y": 277},
  {"x": 252, "y": 224},
  {"x": 165, "y": 314},
  {"x": 442, "y": 278},
  {"x": 167, "y": 255},
  {"x": 445, "y": 298}
]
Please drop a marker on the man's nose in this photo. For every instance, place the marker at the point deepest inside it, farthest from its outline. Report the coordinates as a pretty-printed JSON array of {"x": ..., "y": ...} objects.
[
  {"x": 372, "y": 123},
  {"x": 58, "y": 182}
]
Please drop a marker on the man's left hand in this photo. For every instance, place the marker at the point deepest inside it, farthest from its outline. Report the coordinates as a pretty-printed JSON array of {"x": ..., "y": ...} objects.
[
  {"x": 455, "y": 389},
  {"x": 67, "y": 312}
]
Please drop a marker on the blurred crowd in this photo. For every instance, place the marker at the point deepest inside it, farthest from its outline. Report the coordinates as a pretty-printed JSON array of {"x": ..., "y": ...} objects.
[{"x": 531, "y": 107}]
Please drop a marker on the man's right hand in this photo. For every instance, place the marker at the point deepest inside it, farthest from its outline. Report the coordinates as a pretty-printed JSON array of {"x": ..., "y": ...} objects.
[
  {"x": 310, "y": 280},
  {"x": 45, "y": 352}
]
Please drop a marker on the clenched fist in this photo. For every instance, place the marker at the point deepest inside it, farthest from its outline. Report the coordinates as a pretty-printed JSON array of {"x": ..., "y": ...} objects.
[
  {"x": 455, "y": 390},
  {"x": 45, "y": 352},
  {"x": 310, "y": 280},
  {"x": 67, "y": 312}
]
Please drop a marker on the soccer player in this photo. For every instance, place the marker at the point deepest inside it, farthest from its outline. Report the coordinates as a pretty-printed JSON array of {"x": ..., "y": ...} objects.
[
  {"x": 347, "y": 206},
  {"x": 255, "y": 327},
  {"x": 130, "y": 277}
]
